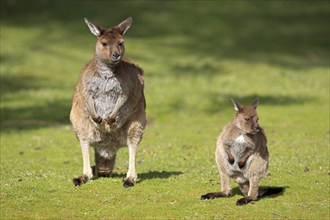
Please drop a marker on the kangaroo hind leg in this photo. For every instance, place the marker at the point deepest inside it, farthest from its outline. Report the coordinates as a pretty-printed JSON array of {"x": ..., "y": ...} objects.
[
  {"x": 134, "y": 136},
  {"x": 87, "y": 170},
  {"x": 225, "y": 187},
  {"x": 252, "y": 193}
]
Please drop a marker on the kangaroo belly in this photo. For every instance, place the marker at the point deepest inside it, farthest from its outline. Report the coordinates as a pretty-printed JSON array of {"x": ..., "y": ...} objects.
[
  {"x": 105, "y": 92},
  {"x": 240, "y": 175},
  {"x": 238, "y": 149},
  {"x": 104, "y": 105}
]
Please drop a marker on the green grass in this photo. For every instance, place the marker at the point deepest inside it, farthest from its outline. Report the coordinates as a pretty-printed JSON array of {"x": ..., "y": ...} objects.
[{"x": 196, "y": 56}]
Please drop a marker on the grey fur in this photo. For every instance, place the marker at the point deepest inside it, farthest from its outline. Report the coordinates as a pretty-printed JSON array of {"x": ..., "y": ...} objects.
[
  {"x": 105, "y": 90},
  {"x": 242, "y": 155},
  {"x": 108, "y": 106}
]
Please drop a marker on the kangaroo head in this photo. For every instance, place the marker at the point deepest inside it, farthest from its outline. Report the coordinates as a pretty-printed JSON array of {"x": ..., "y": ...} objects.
[
  {"x": 110, "y": 43},
  {"x": 247, "y": 118}
]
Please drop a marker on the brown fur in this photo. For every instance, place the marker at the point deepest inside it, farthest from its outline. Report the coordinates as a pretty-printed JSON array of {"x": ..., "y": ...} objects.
[
  {"x": 108, "y": 106},
  {"x": 242, "y": 154}
]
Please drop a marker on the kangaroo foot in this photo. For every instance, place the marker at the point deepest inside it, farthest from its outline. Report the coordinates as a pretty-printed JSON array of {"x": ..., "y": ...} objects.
[
  {"x": 80, "y": 180},
  {"x": 244, "y": 200},
  {"x": 128, "y": 183},
  {"x": 214, "y": 195}
]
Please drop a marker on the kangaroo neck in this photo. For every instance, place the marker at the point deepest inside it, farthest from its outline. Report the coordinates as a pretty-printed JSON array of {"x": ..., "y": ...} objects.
[
  {"x": 106, "y": 69},
  {"x": 238, "y": 127}
]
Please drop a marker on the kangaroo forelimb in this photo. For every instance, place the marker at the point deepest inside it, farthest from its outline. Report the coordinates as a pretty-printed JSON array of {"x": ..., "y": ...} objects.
[
  {"x": 247, "y": 153},
  {"x": 119, "y": 103}
]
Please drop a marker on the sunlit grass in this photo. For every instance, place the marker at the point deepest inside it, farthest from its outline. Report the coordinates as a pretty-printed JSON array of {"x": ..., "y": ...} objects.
[{"x": 196, "y": 56}]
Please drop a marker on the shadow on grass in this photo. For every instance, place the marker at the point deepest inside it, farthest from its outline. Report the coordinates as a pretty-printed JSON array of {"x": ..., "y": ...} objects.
[
  {"x": 288, "y": 34},
  {"x": 272, "y": 191},
  {"x": 42, "y": 114},
  {"x": 280, "y": 189},
  {"x": 285, "y": 33},
  {"x": 149, "y": 175},
  {"x": 218, "y": 102}
]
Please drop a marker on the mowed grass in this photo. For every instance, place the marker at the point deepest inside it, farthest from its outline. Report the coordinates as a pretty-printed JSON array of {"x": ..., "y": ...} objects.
[{"x": 196, "y": 56}]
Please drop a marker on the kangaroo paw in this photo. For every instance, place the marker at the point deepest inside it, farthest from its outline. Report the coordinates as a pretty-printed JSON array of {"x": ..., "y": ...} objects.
[
  {"x": 110, "y": 120},
  {"x": 231, "y": 161},
  {"x": 241, "y": 164},
  {"x": 97, "y": 119}
]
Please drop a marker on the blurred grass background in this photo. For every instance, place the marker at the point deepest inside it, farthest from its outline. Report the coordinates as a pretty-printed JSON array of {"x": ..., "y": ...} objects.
[{"x": 196, "y": 56}]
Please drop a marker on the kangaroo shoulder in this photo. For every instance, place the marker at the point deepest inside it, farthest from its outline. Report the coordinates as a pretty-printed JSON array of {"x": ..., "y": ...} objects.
[
  {"x": 87, "y": 71},
  {"x": 89, "y": 67},
  {"x": 228, "y": 133},
  {"x": 262, "y": 136},
  {"x": 133, "y": 70},
  {"x": 131, "y": 67}
]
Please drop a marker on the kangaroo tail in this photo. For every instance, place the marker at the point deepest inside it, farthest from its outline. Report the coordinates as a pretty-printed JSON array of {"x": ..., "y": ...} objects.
[{"x": 266, "y": 191}]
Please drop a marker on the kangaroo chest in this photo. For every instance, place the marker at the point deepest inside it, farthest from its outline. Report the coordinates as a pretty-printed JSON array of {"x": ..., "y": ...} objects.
[
  {"x": 105, "y": 89},
  {"x": 239, "y": 145}
]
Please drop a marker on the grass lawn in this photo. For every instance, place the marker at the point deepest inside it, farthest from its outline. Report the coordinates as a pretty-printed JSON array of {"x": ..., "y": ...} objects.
[{"x": 196, "y": 56}]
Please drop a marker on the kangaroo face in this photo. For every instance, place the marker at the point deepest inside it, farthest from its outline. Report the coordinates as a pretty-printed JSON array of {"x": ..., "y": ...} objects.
[
  {"x": 110, "y": 46},
  {"x": 247, "y": 118},
  {"x": 110, "y": 43}
]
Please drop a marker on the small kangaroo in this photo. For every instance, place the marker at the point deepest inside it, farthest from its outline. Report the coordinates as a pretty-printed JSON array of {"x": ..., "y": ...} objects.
[
  {"x": 242, "y": 154},
  {"x": 108, "y": 105}
]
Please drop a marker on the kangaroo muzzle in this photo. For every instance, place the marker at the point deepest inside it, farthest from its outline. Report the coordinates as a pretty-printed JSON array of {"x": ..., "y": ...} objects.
[{"x": 115, "y": 57}]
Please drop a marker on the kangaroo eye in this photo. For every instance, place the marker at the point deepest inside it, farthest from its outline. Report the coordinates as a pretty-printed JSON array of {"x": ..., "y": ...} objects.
[
  {"x": 121, "y": 44},
  {"x": 105, "y": 44},
  {"x": 247, "y": 119}
]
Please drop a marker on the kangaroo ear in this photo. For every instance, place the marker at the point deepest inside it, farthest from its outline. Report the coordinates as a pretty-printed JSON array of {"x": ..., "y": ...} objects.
[
  {"x": 237, "y": 106},
  {"x": 255, "y": 103},
  {"x": 94, "y": 28},
  {"x": 123, "y": 26}
]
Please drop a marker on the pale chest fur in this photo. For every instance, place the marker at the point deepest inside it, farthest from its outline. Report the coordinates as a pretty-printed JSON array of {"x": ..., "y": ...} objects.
[
  {"x": 239, "y": 145},
  {"x": 105, "y": 89}
]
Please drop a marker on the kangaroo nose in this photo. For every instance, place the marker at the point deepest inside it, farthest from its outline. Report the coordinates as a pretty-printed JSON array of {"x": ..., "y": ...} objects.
[
  {"x": 115, "y": 57},
  {"x": 256, "y": 128}
]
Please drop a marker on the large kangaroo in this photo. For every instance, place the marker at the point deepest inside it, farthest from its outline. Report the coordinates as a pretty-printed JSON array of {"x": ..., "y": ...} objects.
[
  {"x": 108, "y": 106},
  {"x": 242, "y": 154}
]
